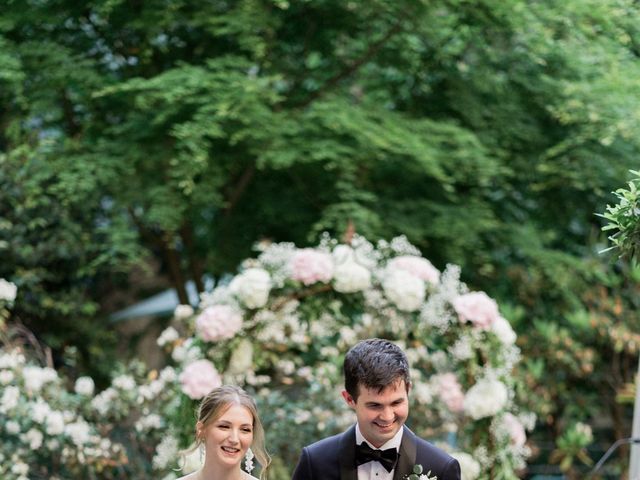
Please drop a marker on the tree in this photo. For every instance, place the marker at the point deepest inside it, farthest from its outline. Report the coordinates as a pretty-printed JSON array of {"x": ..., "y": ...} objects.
[{"x": 487, "y": 132}]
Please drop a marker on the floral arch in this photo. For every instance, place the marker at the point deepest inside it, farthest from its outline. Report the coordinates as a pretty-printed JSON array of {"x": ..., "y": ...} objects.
[{"x": 281, "y": 327}]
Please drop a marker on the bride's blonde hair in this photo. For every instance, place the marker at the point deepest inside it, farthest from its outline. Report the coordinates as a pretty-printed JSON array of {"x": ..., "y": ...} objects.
[{"x": 218, "y": 401}]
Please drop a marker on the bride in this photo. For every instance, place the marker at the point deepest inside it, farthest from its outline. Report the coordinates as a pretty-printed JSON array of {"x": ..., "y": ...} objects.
[{"x": 230, "y": 432}]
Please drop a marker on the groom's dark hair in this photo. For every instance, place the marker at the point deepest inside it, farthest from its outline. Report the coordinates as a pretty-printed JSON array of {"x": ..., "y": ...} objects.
[{"x": 375, "y": 364}]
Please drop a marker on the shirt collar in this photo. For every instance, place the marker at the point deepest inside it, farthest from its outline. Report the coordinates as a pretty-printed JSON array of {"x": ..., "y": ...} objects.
[{"x": 391, "y": 443}]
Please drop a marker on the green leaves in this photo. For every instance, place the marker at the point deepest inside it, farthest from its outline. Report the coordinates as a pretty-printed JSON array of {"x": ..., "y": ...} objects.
[{"x": 624, "y": 218}]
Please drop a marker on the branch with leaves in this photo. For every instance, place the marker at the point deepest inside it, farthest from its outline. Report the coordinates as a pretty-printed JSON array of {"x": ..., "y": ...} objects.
[{"x": 624, "y": 217}]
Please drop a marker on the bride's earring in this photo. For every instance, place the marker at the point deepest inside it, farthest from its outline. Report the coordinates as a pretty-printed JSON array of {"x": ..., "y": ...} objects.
[
  {"x": 248, "y": 461},
  {"x": 201, "y": 454}
]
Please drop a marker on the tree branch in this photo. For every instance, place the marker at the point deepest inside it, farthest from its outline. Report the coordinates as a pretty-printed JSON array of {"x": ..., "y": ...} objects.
[
  {"x": 353, "y": 67},
  {"x": 240, "y": 188}
]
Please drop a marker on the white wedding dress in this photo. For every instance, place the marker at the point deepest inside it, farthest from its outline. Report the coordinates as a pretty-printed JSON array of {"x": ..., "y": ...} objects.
[{"x": 192, "y": 476}]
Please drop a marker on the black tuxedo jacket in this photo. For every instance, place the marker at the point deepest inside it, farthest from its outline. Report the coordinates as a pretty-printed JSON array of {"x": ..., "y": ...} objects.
[{"x": 334, "y": 458}]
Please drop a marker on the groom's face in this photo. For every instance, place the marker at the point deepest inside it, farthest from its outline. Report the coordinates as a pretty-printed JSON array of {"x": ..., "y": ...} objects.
[{"x": 380, "y": 414}]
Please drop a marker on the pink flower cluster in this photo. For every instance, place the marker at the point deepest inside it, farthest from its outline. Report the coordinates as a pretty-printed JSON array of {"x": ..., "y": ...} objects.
[
  {"x": 515, "y": 429},
  {"x": 310, "y": 266},
  {"x": 477, "y": 308},
  {"x": 450, "y": 391},
  {"x": 218, "y": 322},
  {"x": 199, "y": 378},
  {"x": 417, "y": 266}
]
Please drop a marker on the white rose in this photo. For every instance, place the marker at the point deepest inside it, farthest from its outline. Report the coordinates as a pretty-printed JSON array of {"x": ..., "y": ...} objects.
[
  {"x": 8, "y": 290},
  {"x": 405, "y": 290},
  {"x": 502, "y": 328},
  {"x": 252, "y": 287}
]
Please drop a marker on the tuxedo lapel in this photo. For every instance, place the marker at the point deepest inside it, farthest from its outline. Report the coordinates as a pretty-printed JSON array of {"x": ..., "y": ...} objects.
[
  {"x": 407, "y": 455},
  {"x": 347, "y": 445}
]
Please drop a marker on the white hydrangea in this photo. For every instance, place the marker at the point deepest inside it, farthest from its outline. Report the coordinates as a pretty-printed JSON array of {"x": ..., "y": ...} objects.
[
  {"x": 241, "y": 358},
  {"x": 182, "y": 312},
  {"x": 12, "y": 427},
  {"x": 6, "y": 377},
  {"x": 79, "y": 432},
  {"x": 422, "y": 393},
  {"x": 9, "y": 400},
  {"x": 276, "y": 258},
  {"x": 168, "y": 375},
  {"x": 252, "y": 287},
  {"x": 168, "y": 335},
  {"x": 20, "y": 468},
  {"x": 39, "y": 411},
  {"x": 462, "y": 349},
  {"x": 54, "y": 424},
  {"x": 124, "y": 382},
  {"x": 36, "y": 377},
  {"x": 186, "y": 352},
  {"x": 84, "y": 386},
  {"x": 351, "y": 277},
  {"x": 486, "y": 398},
  {"x": 34, "y": 438},
  {"x": 469, "y": 468},
  {"x": 153, "y": 421},
  {"x": 405, "y": 290},
  {"x": 102, "y": 402},
  {"x": 166, "y": 453},
  {"x": 11, "y": 360}
]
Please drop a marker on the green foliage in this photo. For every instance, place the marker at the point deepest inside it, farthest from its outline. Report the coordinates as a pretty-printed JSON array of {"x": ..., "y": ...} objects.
[
  {"x": 624, "y": 219},
  {"x": 488, "y": 132}
]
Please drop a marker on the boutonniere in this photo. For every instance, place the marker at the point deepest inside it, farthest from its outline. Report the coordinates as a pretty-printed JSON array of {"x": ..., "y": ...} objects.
[{"x": 418, "y": 475}]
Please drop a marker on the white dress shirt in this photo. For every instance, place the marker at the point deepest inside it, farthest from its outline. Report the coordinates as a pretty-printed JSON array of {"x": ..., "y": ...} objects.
[{"x": 373, "y": 470}]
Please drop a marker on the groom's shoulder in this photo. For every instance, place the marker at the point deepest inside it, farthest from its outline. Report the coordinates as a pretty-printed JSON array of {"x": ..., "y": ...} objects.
[{"x": 425, "y": 448}]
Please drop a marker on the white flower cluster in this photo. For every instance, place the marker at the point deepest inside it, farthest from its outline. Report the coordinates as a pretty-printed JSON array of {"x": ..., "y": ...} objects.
[
  {"x": 282, "y": 325},
  {"x": 39, "y": 420}
]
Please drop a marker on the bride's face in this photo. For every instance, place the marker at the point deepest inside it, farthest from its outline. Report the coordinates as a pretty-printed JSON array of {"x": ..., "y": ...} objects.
[{"x": 228, "y": 437}]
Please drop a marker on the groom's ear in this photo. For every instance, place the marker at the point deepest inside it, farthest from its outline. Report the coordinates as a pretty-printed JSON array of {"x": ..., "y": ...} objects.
[{"x": 349, "y": 399}]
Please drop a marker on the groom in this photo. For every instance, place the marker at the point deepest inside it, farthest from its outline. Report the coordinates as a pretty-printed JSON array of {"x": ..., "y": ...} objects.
[{"x": 379, "y": 446}]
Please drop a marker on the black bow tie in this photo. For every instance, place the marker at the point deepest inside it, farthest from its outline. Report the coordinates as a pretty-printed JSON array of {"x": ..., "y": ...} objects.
[{"x": 386, "y": 458}]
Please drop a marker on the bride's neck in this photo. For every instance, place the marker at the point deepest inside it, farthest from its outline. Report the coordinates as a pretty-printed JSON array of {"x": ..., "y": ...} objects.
[{"x": 219, "y": 474}]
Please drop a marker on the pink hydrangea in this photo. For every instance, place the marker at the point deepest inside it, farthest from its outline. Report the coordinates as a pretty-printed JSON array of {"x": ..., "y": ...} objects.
[
  {"x": 218, "y": 322},
  {"x": 199, "y": 378},
  {"x": 450, "y": 391},
  {"x": 515, "y": 429},
  {"x": 477, "y": 308},
  {"x": 418, "y": 266},
  {"x": 310, "y": 266}
]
